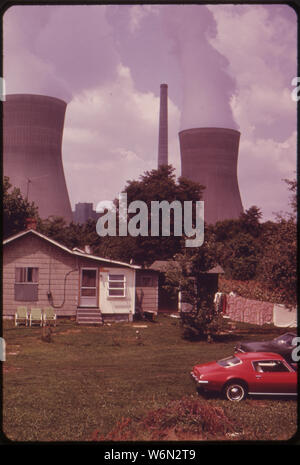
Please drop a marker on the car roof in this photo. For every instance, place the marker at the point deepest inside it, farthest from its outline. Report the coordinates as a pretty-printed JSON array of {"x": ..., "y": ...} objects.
[{"x": 258, "y": 356}]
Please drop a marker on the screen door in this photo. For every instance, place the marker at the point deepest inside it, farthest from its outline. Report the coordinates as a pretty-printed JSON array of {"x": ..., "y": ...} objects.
[{"x": 88, "y": 287}]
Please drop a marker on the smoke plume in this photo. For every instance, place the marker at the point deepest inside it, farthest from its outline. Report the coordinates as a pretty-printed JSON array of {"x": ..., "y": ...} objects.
[
  {"x": 79, "y": 55},
  {"x": 206, "y": 85}
]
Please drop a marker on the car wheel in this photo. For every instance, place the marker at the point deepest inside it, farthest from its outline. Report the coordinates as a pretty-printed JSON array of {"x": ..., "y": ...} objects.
[{"x": 235, "y": 391}]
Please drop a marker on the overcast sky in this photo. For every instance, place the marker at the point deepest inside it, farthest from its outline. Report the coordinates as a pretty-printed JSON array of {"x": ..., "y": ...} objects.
[{"x": 225, "y": 66}]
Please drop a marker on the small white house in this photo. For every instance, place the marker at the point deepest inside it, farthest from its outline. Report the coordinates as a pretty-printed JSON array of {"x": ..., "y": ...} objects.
[{"x": 40, "y": 272}]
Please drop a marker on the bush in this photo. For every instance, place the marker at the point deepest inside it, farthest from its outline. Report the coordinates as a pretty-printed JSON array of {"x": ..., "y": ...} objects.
[
  {"x": 251, "y": 290},
  {"x": 185, "y": 418}
]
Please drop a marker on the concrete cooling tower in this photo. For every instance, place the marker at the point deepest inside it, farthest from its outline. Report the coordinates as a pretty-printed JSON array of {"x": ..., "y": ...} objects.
[
  {"x": 209, "y": 156},
  {"x": 32, "y": 140}
]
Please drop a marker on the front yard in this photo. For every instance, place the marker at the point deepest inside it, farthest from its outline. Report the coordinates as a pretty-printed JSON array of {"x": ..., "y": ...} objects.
[{"x": 91, "y": 378}]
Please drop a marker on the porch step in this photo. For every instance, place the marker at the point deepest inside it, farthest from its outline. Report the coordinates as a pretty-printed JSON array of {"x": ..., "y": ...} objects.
[{"x": 89, "y": 316}]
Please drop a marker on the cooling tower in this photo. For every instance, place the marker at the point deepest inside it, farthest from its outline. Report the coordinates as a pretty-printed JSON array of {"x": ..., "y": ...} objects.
[
  {"x": 163, "y": 126},
  {"x": 32, "y": 133},
  {"x": 209, "y": 156}
]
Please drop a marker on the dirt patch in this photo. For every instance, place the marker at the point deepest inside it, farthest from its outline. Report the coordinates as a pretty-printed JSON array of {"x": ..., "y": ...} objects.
[{"x": 68, "y": 331}]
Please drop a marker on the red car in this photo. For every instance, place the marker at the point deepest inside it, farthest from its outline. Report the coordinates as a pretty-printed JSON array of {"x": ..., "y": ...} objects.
[{"x": 253, "y": 373}]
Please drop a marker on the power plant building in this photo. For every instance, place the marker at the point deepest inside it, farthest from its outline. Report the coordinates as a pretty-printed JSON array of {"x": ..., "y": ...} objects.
[
  {"x": 32, "y": 157},
  {"x": 83, "y": 212},
  {"x": 209, "y": 156},
  {"x": 163, "y": 126}
]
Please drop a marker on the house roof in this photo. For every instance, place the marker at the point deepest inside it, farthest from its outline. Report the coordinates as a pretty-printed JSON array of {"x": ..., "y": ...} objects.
[
  {"x": 161, "y": 265},
  {"x": 77, "y": 252}
]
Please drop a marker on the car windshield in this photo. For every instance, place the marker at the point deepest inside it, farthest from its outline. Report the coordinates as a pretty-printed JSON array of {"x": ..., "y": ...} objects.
[
  {"x": 285, "y": 339},
  {"x": 229, "y": 361}
]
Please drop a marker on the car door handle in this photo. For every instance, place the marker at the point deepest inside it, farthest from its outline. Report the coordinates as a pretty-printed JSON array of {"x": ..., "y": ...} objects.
[{"x": 258, "y": 376}]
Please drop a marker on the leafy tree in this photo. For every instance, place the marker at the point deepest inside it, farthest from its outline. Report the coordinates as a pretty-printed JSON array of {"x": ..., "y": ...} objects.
[
  {"x": 238, "y": 245},
  {"x": 279, "y": 264},
  {"x": 16, "y": 209},
  {"x": 186, "y": 275},
  {"x": 250, "y": 221},
  {"x": 278, "y": 267},
  {"x": 72, "y": 234},
  {"x": 293, "y": 189},
  {"x": 54, "y": 227},
  {"x": 156, "y": 185},
  {"x": 240, "y": 257},
  {"x": 266, "y": 252}
]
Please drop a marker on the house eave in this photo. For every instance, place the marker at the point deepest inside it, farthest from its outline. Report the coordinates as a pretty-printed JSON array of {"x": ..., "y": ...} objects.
[{"x": 71, "y": 252}]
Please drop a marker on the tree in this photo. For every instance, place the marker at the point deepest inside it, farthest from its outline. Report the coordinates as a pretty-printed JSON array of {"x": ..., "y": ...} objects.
[
  {"x": 16, "y": 209},
  {"x": 250, "y": 221},
  {"x": 266, "y": 252},
  {"x": 238, "y": 245},
  {"x": 293, "y": 189},
  {"x": 239, "y": 257},
  {"x": 278, "y": 267},
  {"x": 186, "y": 275},
  {"x": 72, "y": 234},
  {"x": 156, "y": 185}
]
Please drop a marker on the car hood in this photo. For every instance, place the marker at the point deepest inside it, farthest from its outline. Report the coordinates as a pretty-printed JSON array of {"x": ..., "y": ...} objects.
[{"x": 257, "y": 346}]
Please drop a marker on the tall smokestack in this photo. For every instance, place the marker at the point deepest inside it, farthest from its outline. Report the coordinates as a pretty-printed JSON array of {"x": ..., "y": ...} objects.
[
  {"x": 32, "y": 133},
  {"x": 209, "y": 156},
  {"x": 163, "y": 126}
]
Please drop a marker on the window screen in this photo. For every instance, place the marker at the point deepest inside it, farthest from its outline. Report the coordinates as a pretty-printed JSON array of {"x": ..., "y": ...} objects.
[
  {"x": 116, "y": 285},
  {"x": 26, "y": 275},
  {"x": 26, "y": 284}
]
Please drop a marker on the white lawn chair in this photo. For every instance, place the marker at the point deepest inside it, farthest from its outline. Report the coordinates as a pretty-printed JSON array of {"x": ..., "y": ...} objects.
[
  {"x": 21, "y": 316},
  {"x": 36, "y": 316},
  {"x": 49, "y": 316}
]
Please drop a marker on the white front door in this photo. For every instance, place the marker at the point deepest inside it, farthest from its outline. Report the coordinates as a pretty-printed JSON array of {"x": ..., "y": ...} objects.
[{"x": 89, "y": 287}]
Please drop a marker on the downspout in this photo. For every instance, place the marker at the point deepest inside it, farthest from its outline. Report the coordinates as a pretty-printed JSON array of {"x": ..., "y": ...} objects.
[
  {"x": 49, "y": 293},
  {"x": 134, "y": 297}
]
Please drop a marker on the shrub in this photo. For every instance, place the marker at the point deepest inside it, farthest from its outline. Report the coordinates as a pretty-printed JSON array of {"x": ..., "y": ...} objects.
[
  {"x": 251, "y": 290},
  {"x": 188, "y": 417}
]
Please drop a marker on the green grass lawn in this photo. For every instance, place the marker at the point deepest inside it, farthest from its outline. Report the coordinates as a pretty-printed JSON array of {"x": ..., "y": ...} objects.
[{"x": 89, "y": 378}]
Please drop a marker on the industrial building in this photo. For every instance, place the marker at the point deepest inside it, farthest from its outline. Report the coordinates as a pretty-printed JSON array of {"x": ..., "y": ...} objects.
[
  {"x": 83, "y": 212},
  {"x": 33, "y": 131},
  {"x": 209, "y": 156},
  {"x": 32, "y": 156},
  {"x": 163, "y": 126}
]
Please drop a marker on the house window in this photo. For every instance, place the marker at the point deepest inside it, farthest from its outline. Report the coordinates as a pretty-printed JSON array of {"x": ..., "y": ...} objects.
[
  {"x": 116, "y": 285},
  {"x": 26, "y": 284},
  {"x": 27, "y": 275}
]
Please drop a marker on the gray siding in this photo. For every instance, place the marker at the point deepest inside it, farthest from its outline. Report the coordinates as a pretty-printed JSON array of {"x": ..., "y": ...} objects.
[
  {"x": 147, "y": 296},
  {"x": 53, "y": 264},
  {"x": 58, "y": 273}
]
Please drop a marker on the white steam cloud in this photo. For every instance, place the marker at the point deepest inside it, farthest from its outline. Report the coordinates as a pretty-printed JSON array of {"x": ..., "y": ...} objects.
[
  {"x": 207, "y": 86},
  {"x": 83, "y": 54},
  {"x": 80, "y": 55}
]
